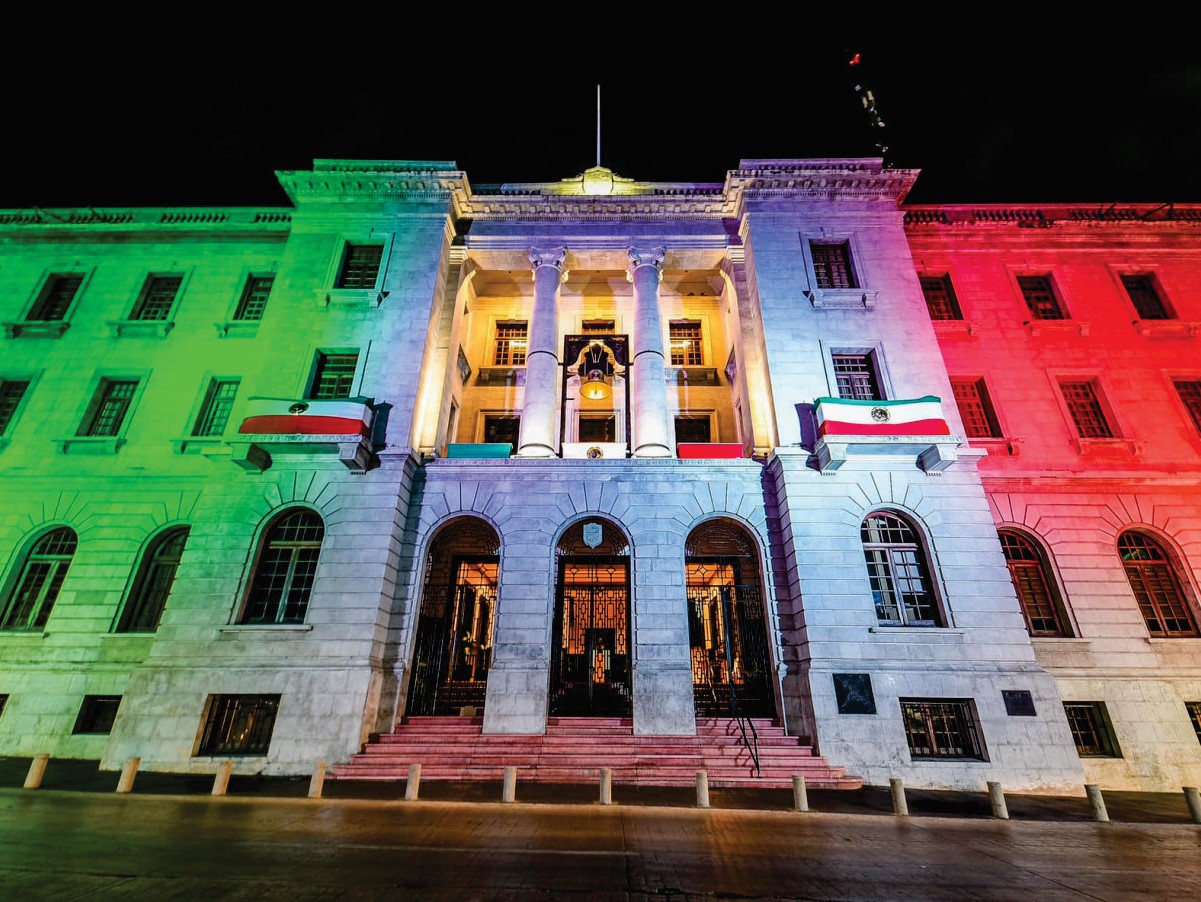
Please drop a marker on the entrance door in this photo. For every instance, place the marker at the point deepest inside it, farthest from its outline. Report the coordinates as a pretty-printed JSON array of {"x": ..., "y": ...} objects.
[{"x": 590, "y": 667}]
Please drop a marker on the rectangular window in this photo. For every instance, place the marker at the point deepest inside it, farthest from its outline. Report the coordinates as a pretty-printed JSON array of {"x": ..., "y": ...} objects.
[
  {"x": 686, "y": 347},
  {"x": 11, "y": 393},
  {"x": 940, "y": 297},
  {"x": 510, "y": 343},
  {"x": 452, "y": 422},
  {"x": 1145, "y": 296},
  {"x": 1091, "y": 729},
  {"x": 56, "y": 297},
  {"x": 109, "y": 407},
  {"x": 1193, "y": 708},
  {"x": 1084, "y": 405},
  {"x": 856, "y": 377},
  {"x": 597, "y": 327},
  {"x": 239, "y": 725},
  {"x": 1040, "y": 297},
  {"x": 360, "y": 266},
  {"x": 157, "y": 298},
  {"x": 214, "y": 412},
  {"x": 1188, "y": 389},
  {"x": 975, "y": 408},
  {"x": 832, "y": 264},
  {"x": 502, "y": 428},
  {"x": 97, "y": 714},
  {"x": 693, "y": 429},
  {"x": 942, "y": 728},
  {"x": 3, "y": 704},
  {"x": 594, "y": 428},
  {"x": 253, "y": 301},
  {"x": 334, "y": 376}
]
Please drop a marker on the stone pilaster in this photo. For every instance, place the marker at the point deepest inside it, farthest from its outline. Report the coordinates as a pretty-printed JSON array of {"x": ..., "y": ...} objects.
[
  {"x": 653, "y": 433},
  {"x": 543, "y": 373}
]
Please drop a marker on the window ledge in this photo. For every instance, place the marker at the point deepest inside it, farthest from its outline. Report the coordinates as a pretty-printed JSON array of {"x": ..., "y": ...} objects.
[
  {"x": 1055, "y": 326},
  {"x": 4, "y": 443},
  {"x": 955, "y": 327},
  {"x": 128, "y": 634},
  {"x": 266, "y": 628},
  {"x": 1159, "y": 640},
  {"x": 500, "y": 375},
  {"x": 238, "y": 328},
  {"x": 90, "y": 444},
  {"x": 842, "y": 298},
  {"x": 885, "y": 629},
  {"x": 1108, "y": 447},
  {"x": 692, "y": 375},
  {"x": 140, "y": 328},
  {"x": 1167, "y": 328},
  {"x": 23, "y": 634},
  {"x": 351, "y": 297},
  {"x": 196, "y": 444},
  {"x": 1001, "y": 445},
  {"x": 36, "y": 328}
]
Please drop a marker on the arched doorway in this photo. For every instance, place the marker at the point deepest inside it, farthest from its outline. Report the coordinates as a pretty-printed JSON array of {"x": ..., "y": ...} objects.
[
  {"x": 458, "y": 613},
  {"x": 727, "y": 627},
  {"x": 590, "y": 652}
]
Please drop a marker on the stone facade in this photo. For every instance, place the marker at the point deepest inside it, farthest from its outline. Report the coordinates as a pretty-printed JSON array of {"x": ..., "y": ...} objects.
[{"x": 455, "y": 544}]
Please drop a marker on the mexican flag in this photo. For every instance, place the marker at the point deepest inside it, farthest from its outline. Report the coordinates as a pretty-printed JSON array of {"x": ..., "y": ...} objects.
[
  {"x": 918, "y": 416},
  {"x": 288, "y": 416}
]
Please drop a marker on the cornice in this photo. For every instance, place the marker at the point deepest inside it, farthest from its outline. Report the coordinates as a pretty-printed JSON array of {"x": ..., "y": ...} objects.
[
  {"x": 961, "y": 216},
  {"x": 145, "y": 218}
]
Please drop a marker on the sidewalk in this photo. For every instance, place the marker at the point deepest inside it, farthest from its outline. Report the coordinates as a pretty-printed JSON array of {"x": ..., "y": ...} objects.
[{"x": 73, "y": 775}]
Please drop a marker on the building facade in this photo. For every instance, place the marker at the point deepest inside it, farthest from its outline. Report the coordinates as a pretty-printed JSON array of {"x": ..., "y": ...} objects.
[{"x": 275, "y": 480}]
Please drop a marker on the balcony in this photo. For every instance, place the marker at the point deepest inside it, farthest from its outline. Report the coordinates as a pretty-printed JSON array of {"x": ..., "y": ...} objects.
[
  {"x": 315, "y": 430},
  {"x": 875, "y": 431}
]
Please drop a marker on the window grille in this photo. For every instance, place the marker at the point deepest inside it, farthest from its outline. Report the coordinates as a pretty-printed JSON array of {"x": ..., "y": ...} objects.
[
  {"x": 1193, "y": 708},
  {"x": 975, "y": 408},
  {"x": 110, "y": 407},
  {"x": 1085, "y": 408},
  {"x": 897, "y": 570},
  {"x": 1190, "y": 395},
  {"x": 239, "y": 725},
  {"x": 1155, "y": 585},
  {"x": 686, "y": 346},
  {"x": 940, "y": 297},
  {"x": 1032, "y": 584},
  {"x": 214, "y": 411},
  {"x": 11, "y": 393},
  {"x": 856, "y": 377},
  {"x": 511, "y": 343},
  {"x": 253, "y": 301},
  {"x": 937, "y": 729},
  {"x": 285, "y": 570},
  {"x": 29, "y": 604},
  {"x": 334, "y": 376},
  {"x": 56, "y": 297},
  {"x": 832, "y": 265},
  {"x": 157, "y": 298},
  {"x": 152, "y": 585},
  {"x": 1145, "y": 297},
  {"x": 1089, "y": 723},
  {"x": 1040, "y": 297},
  {"x": 360, "y": 266}
]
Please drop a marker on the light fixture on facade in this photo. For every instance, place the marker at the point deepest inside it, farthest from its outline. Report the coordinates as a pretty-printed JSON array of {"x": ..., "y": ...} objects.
[{"x": 595, "y": 387}]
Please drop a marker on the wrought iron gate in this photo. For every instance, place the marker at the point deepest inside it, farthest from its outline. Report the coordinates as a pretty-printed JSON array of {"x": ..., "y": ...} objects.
[
  {"x": 731, "y": 670},
  {"x": 454, "y": 642},
  {"x": 590, "y": 666}
]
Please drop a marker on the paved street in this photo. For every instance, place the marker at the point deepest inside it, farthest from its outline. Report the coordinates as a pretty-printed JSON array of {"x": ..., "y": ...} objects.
[{"x": 64, "y": 845}]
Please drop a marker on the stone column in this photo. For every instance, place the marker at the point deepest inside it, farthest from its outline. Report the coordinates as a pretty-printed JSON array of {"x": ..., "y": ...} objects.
[
  {"x": 543, "y": 371},
  {"x": 653, "y": 433}
]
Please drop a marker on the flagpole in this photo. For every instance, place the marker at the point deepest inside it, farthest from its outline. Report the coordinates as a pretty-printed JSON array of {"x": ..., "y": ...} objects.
[{"x": 598, "y": 126}]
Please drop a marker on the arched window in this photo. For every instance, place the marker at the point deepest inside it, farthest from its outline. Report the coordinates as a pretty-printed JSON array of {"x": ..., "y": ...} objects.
[
  {"x": 42, "y": 573},
  {"x": 283, "y": 574},
  {"x": 900, "y": 576},
  {"x": 1034, "y": 586},
  {"x": 152, "y": 586},
  {"x": 1155, "y": 585}
]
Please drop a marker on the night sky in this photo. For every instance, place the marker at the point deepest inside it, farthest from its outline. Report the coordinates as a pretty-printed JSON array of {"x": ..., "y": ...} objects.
[{"x": 1012, "y": 124}]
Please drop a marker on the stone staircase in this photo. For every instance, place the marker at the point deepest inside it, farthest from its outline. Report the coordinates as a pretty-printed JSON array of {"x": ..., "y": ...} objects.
[{"x": 574, "y": 749}]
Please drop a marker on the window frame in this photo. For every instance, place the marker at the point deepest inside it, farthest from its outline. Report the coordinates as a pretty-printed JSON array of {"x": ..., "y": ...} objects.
[
  {"x": 41, "y": 294},
  {"x": 927, "y": 566},
  {"x": 144, "y": 293},
  {"x": 141, "y": 585},
  {"x": 494, "y": 347},
  {"x": 706, "y": 415},
  {"x": 1101, "y": 726},
  {"x": 1057, "y": 293},
  {"x": 91, "y": 413},
  {"x": 1193, "y": 709},
  {"x": 874, "y": 353},
  {"x": 1050, "y": 580},
  {"x": 242, "y": 295},
  {"x": 1102, "y": 393},
  {"x": 968, "y": 718},
  {"x": 205, "y": 401},
  {"x": 1177, "y": 577},
  {"x": 697, "y": 343},
  {"x": 262, "y": 544},
  {"x": 223, "y": 708},
  {"x": 952, "y": 296},
  {"x": 854, "y": 277},
  {"x": 485, "y": 415},
  {"x": 49, "y": 589},
  {"x": 93, "y": 712},
  {"x": 988, "y": 407},
  {"x": 1156, "y": 292},
  {"x": 8, "y": 427},
  {"x": 308, "y": 389},
  {"x": 1192, "y": 419}
]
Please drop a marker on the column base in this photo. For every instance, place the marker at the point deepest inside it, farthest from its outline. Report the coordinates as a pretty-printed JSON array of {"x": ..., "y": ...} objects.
[
  {"x": 536, "y": 451},
  {"x": 650, "y": 450}
]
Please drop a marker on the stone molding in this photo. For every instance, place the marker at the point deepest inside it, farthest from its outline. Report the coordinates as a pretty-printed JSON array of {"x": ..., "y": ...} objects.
[{"x": 555, "y": 256}]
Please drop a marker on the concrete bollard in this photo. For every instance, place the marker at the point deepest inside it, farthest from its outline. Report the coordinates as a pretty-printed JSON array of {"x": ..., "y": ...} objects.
[
  {"x": 509, "y": 793},
  {"x": 702, "y": 789},
  {"x": 317, "y": 782},
  {"x": 996, "y": 795},
  {"x": 606, "y": 786},
  {"x": 1193, "y": 798},
  {"x": 413, "y": 783},
  {"x": 128, "y": 772},
  {"x": 900, "y": 806},
  {"x": 1097, "y": 801},
  {"x": 37, "y": 770},
  {"x": 800, "y": 793},
  {"x": 221, "y": 780}
]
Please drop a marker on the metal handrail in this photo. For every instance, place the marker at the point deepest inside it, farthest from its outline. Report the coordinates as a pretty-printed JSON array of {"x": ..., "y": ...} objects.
[{"x": 751, "y": 742}]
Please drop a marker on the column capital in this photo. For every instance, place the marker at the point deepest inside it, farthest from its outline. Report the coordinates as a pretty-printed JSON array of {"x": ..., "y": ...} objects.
[
  {"x": 645, "y": 256},
  {"x": 549, "y": 256}
]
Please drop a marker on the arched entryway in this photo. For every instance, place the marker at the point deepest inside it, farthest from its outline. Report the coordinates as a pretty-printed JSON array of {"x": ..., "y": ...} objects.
[
  {"x": 590, "y": 652},
  {"x": 727, "y": 627},
  {"x": 458, "y": 612}
]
